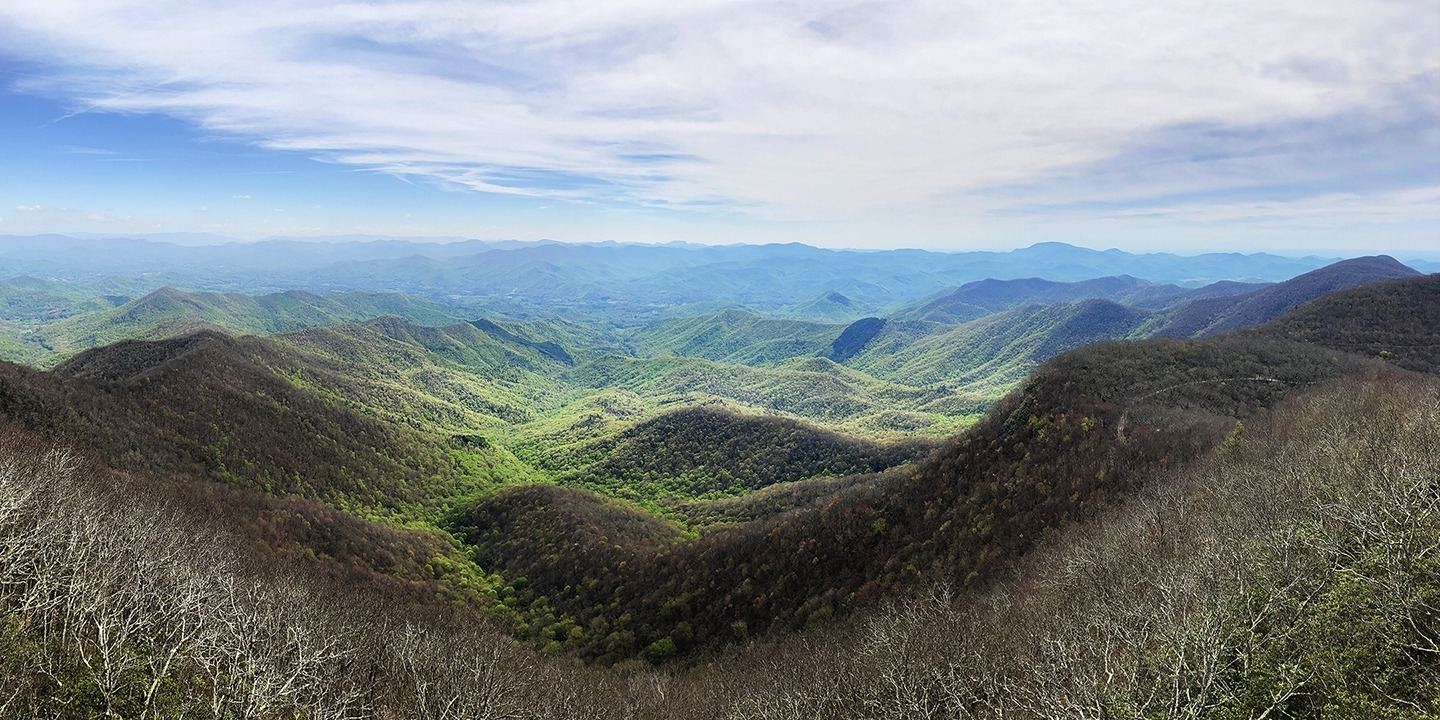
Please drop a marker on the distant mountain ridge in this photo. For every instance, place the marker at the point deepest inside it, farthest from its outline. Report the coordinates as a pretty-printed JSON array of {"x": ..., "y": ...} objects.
[
  {"x": 984, "y": 297},
  {"x": 168, "y": 311}
]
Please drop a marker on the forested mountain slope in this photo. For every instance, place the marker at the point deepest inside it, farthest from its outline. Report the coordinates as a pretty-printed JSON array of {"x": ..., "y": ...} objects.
[
  {"x": 160, "y": 615},
  {"x": 993, "y": 353},
  {"x": 1085, "y": 432},
  {"x": 1217, "y": 315},
  {"x": 710, "y": 452},
  {"x": 1398, "y": 320},
  {"x": 734, "y": 336},
  {"x": 208, "y": 406}
]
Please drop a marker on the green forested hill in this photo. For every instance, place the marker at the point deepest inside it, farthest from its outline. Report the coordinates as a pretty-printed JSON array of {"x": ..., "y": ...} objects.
[
  {"x": 706, "y": 451},
  {"x": 273, "y": 416},
  {"x": 831, "y": 307},
  {"x": 25, "y": 300},
  {"x": 1217, "y": 315},
  {"x": 1331, "y": 554},
  {"x": 453, "y": 378},
  {"x": 903, "y": 376},
  {"x": 1397, "y": 320},
  {"x": 815, "y": 389},
  {"x": 734, "y": 336},
  {"x": 168, "y": 311},
  {"x": 226, "y": 409},
  {"x": 993, "y": 353}
]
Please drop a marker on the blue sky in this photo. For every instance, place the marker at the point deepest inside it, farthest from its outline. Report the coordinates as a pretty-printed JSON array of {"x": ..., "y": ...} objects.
[{"x": 905, "y": 123}]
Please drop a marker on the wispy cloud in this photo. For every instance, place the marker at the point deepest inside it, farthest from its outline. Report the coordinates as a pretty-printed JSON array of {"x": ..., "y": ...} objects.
[
  {"x": 805, "y": 109},
  {"x": 242, "y": 197},
  {"x": 80, "y": 150}
]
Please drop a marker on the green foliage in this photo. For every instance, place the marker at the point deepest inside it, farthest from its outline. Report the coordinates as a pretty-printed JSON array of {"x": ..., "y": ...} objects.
[
  {"x": 1397, "y": 321},
  {"x": 704, "y": 452},
  {"x": 745, "y": 508},
  {"x": 734, "y": 336},
  {"x": 168, "y": 311},
  {"x": 990, "y": 355},
  {"x": 813, "y": 389}
]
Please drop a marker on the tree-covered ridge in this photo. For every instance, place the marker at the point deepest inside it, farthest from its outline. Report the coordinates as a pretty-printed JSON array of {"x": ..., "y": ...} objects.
[
  {"x": 994, "y": 353},
  {"x": 1276, "y": 577},
  {"x": 432, "y": 428},
  {"x": 1211, "y": 316},
  {"x": 814, "y": 389},
  {"x": 260, "y": 414},
  {"x": 225, "y": 409},
  {"x": 831, "y": 307},
  {"x": 1398, "y": 320},
  {"x": 498, "y": 377},
  {"x": 705, "y": 451},
  {"x": 570, "y": 571},
  {"x": 734, "y": 336},
  {"x": 75, "y": 325}
]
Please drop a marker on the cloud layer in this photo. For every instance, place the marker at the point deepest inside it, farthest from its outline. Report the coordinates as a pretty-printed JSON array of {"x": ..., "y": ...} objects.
[{"x": 804, "y": 110}]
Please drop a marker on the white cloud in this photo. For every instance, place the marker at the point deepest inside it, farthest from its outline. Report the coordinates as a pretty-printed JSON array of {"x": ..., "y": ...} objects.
[
  {"x": 806, "y": 109},
  {"x": 242, "y": 197},
  {"x": 28, "y": 208}
]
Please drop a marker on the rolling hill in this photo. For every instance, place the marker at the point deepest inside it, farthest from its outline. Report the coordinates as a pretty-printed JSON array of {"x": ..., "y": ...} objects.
[
  {"x": 734, "y": 336},
  {"x": 167, "y": 311},
  {"x": 705, "y": 451},
  {"x": 993, "y": 353},
  {"x": 1083, "y": 433},
  {"x": 831, "y": 307}
]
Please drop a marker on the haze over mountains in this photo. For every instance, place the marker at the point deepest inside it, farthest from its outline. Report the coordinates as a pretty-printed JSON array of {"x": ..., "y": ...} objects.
[
  {"x": 637, "y": 471},
  {"x": 626, "y": 281}
]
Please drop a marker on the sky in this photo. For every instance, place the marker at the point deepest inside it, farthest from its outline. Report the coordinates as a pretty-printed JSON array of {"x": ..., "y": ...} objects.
[{"x": 1201, "y": 125}]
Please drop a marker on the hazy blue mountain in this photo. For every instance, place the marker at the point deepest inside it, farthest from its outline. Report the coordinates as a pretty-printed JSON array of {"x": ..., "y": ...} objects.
[{"x": 627, "y": 283}]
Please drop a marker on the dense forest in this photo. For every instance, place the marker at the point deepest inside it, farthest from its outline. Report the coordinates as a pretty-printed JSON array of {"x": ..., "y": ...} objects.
[{"x": 1271, "y": 576}]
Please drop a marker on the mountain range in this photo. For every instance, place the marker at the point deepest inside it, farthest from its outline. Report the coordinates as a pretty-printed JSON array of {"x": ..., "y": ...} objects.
[{"x": 964, "y": 499}]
